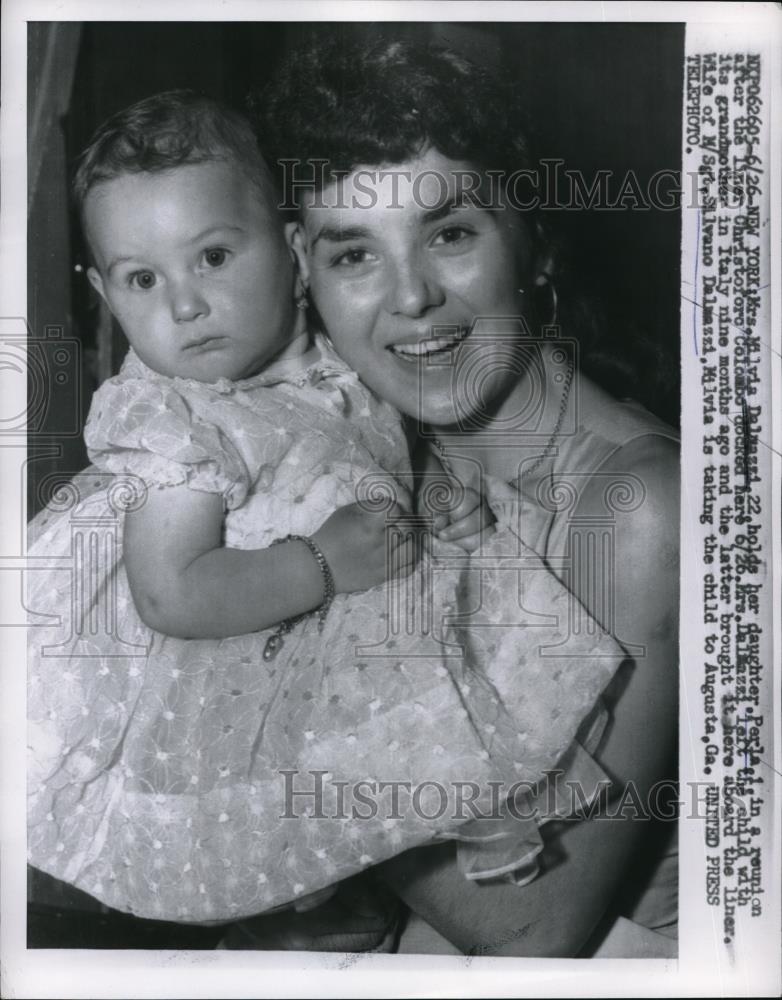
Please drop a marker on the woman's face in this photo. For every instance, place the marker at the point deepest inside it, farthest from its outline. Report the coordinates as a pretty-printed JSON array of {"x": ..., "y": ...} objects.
[{"x": 421, "y": 291}]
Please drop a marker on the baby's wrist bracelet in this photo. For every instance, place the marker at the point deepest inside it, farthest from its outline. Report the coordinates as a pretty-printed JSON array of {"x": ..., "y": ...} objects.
[
  {"x": 325, "y": 572},
  {"x": 275, "y": 641}
]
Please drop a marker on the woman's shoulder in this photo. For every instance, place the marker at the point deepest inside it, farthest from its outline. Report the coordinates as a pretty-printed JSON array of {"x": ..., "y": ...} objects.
[
  {"x": 619, "y": 422},
  {"x": 612, "y": 434},
  {"x": 630, "y": 456}
]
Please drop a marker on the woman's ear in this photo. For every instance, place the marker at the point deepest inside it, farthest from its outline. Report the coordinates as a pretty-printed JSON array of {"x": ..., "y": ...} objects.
[{"x": 296, "y": 240}]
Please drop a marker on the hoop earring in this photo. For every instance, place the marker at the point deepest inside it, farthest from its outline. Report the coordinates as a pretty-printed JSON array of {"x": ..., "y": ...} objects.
[{"x": 552, "y": 303}]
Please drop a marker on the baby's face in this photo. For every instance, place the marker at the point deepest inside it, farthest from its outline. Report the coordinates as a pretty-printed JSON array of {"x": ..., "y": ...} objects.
[{"x": 194, "y": 267}]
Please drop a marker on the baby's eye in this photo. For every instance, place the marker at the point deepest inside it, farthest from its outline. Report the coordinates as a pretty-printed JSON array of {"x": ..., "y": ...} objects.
[
  {"x": 143, "y": 280},
  {"x": 451, "y": 235},
  {"x": 215, "y": 256}
]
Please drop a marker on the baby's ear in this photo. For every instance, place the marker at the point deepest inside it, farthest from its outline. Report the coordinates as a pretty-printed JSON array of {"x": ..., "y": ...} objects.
[
  {"x": 295, "y": 238},
  {"x": 97, "y": 282}
]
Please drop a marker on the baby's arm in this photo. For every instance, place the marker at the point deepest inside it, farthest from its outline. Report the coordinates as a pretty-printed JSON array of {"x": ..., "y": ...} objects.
[{"x": 186, "y": 583}]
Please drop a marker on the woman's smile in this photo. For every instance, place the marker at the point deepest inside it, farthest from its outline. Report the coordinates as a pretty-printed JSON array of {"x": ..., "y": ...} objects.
[{"x": 438, "y": 340}]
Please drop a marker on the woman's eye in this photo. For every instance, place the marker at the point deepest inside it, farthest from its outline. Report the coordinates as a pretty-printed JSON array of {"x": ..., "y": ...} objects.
[
  {"x": 143, "y": 280},
  {"x": 215, "y": 257},
  {"x": 352, "y": 258},
  {"x": 451, "y": 235}
]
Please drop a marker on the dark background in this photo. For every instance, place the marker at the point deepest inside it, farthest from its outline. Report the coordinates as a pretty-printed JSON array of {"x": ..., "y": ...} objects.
[{"x": 600, "y": 97}]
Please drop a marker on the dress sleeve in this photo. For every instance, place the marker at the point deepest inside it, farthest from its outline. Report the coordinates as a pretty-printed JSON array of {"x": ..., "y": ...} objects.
[{"x": 150, "y": 430}]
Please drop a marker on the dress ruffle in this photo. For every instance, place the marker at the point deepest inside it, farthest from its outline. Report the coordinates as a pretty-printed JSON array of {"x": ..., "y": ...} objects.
[{"x": 508, "y": 845}]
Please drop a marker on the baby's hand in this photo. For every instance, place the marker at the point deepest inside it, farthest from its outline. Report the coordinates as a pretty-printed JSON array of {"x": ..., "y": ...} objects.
[
  {"x": 353, "y": 540},
  {"x": 469, "y": 523}
]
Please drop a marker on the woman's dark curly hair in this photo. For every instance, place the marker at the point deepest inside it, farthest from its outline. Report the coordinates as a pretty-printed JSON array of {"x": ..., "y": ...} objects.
[
  {"x": 354, "y": 105},
  {"x": 348, "y": 104}
]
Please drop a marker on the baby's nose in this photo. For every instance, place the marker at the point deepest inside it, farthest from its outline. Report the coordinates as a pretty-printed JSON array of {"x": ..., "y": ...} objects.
[{"x": 187, "y": 302}]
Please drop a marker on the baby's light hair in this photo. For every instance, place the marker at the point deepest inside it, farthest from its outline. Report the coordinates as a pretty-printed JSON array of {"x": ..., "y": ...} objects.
[{"x": 173, "y": 129}]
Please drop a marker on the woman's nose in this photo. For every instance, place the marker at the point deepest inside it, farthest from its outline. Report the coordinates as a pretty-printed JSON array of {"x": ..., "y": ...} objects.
[
  {"x": 187, "y": 302},
  {"x": 413, "y": 289}
]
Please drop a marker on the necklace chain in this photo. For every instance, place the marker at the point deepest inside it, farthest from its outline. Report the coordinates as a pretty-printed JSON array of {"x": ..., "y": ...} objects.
[{"x": 549, "y": 444}]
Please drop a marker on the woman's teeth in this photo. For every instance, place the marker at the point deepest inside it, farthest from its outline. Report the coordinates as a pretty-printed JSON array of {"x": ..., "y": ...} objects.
[{"x": 425, "y": 348}]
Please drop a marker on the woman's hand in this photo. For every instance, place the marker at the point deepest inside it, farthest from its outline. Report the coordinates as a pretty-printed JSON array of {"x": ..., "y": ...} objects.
[
  {"x": 355, "y": 543},
  {"x": 470, "y": 520},
  {"x": 468, "y": 524}
]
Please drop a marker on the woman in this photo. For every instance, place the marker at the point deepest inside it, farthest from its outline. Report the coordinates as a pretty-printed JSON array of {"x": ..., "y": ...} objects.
[{"x": 442, "y": 293}]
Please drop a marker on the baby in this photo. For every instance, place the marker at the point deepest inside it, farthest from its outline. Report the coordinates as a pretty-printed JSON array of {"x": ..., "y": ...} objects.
[{"x": 208, "y": 756}]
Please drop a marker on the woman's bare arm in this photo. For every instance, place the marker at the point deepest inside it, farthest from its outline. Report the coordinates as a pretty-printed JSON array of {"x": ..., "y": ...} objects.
[{"x": 587, "y": 861}]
